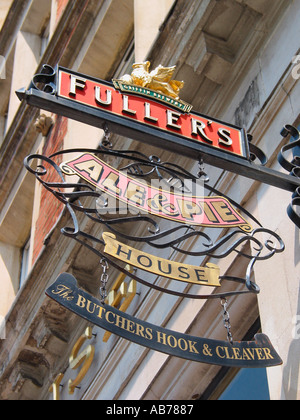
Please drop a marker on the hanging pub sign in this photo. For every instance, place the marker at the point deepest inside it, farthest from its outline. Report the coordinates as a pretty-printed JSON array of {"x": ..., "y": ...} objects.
[
  {"x": 146, "y": 106},
  {"x": 188, "y": 217},
  {"x": 249, "y": 354}
]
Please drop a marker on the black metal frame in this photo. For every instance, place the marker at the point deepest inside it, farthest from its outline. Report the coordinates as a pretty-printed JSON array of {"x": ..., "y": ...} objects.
[
  {"x": 73, "y": 194},
  {"x": 293, "y": 168},
  {"x": 42, "y": 94}
]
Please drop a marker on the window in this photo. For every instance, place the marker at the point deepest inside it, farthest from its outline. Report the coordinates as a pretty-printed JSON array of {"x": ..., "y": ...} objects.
[
  {"x": 24, "y": 263},
  {"x": 127, "y": 62},
  {"x": 45, "y": 38},
  {"x": 3, "y": 126},
  {"x": 248, "y": 384}
]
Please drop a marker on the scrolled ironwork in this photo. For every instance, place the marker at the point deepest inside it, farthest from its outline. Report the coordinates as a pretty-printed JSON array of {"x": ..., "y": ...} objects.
[
  {"x": 76, "y": 197},
  {"x": 215, "y": 249},
  {"x": 45, "y": 80},
  {"x": 293, "y": 167},
  {"x": 256, "y": 152}
]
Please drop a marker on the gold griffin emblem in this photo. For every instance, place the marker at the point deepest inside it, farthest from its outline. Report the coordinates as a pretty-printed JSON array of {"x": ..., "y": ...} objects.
[{"x": 157, "y": 84}]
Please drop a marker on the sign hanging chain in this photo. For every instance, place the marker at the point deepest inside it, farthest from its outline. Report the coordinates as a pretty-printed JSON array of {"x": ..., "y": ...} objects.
[
  {"x": 226, "y": 320},
  {"x": 106, "y": 138},
  {"x": 103, "y": 279},
  {"x": 201, "y": 173}
]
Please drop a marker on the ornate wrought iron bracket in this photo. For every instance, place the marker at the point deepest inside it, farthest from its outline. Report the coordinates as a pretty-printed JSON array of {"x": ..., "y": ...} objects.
[
  {"x": 42, "y": 93},
  {"x": 74, "y": 195},
  {"x": 88, "y": 196},
  {"x": 293, "y": 167},
  {"x": 45, "y": 81}
]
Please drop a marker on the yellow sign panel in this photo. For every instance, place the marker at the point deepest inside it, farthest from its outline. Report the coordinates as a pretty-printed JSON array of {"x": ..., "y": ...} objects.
[{"x": 208, "y": 276}]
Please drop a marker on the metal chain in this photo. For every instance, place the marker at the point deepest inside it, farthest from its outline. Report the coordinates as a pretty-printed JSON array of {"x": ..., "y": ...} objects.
[
  {"x": 202, "y": 173},
  {"x": 106, "y": 138},
  {"x": 226, "y": 320},
  {"x": 103, "y": 279}
]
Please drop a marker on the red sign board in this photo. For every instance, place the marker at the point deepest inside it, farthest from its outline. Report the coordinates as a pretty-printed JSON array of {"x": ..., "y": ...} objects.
[{"x": 164, "y": 116}]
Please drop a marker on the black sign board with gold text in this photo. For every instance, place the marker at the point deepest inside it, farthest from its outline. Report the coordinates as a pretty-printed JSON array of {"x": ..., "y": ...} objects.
[{"x": 249, "y": 354}]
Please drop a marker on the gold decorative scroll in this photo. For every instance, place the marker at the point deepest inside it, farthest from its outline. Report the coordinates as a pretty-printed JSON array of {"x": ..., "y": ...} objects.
[{"x": 208, "y": 275}]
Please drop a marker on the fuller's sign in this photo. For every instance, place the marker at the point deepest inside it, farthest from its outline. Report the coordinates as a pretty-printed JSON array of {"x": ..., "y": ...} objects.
[
  {"x": 156, "y": 110},
  {"x": 151, "y": 116}
]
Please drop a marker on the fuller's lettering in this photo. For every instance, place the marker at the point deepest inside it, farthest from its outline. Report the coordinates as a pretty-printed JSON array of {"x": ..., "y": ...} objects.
[{"x": 156, "y": 110}]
